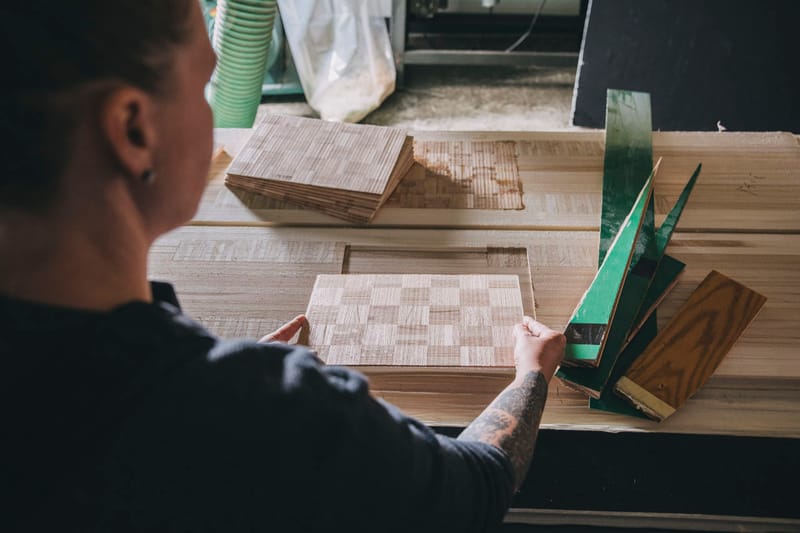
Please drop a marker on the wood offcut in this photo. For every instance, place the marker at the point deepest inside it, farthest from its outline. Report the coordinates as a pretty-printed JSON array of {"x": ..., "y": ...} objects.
[
  {"x": 636, "y": 301},
  {"x": 587, "y": 331},
  {"x": 628, "y": 160},
  {"x": 684, "y": 354}
]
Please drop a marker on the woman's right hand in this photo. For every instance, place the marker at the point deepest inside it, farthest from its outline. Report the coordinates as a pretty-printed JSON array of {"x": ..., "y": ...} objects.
[{"x": 537, "y": 348}]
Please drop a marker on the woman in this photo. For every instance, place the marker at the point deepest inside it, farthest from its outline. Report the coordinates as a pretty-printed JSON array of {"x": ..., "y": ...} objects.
[{"x": 119, "y": 412}]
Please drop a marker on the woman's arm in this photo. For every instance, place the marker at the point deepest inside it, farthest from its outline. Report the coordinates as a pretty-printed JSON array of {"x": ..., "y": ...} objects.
[{"x": 511, "y": 421}]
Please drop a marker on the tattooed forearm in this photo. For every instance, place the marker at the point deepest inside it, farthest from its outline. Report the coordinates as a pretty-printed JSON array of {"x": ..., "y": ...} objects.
[{"x": 511, "y": 422}]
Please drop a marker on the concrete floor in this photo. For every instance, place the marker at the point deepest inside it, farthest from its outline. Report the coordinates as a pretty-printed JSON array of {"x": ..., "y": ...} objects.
[{"x": 466, "y": 99}]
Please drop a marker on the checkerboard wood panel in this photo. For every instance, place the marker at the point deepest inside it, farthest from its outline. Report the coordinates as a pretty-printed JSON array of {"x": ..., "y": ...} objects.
[{"x": 415, "y": 319}]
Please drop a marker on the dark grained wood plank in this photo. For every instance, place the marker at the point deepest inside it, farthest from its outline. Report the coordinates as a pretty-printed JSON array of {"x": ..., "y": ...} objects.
[{"x": 685, "y": 354}]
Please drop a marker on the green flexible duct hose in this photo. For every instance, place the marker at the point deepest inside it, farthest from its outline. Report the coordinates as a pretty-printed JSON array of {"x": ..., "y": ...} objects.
[{"x": 241, "y": 39}]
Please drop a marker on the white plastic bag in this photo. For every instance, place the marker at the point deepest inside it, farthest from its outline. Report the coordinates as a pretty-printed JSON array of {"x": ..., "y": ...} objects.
[{"x": 342, "y": 53}]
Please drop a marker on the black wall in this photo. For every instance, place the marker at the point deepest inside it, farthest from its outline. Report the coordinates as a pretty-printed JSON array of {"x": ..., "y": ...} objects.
[{"x": 703, "y": 61}]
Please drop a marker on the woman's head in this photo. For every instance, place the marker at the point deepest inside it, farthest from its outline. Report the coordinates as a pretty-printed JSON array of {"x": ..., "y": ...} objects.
[{"x": 124, "y": 77}]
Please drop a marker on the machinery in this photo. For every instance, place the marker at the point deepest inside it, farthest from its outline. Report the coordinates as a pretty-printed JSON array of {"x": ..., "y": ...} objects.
[{"x": 539, "y": 33}]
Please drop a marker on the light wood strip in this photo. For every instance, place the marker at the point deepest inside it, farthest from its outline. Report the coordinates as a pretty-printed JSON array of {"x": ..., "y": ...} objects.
[
  {"x": 562, "y": 266},
  {"x": 620, "y": 520},
  {"x": 649, "y": 403},
  {"x": 750, "y": 182},
  {"x": 754, "y": 407}
]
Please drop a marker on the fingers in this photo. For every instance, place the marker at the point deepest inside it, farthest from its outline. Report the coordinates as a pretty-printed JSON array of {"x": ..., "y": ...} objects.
[
  {"x": 536, "y": 328},
  {"x": 537, "y": 348},
  {"x": 521, "y": 332},
  {"x": 287, "y": 331},
  {"x": 530, "y": 328}
]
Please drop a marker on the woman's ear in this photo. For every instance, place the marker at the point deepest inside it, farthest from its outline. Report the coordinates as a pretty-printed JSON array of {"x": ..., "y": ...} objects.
[{"x": 127, "y": 122}]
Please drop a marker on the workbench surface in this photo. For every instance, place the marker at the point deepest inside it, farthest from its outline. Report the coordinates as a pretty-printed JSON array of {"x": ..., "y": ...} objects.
[{"x": 246, "y": 265}]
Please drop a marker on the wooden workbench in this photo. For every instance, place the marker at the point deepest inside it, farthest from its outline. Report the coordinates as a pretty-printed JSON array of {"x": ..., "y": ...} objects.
[{"x": 245, "y": 265}]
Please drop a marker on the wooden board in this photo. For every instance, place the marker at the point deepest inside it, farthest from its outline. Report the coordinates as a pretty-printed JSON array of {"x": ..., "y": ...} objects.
[
  {"x": 664, "y": 280},
  {"x": 593, "y": 380},
  {"x": 608, "y": 401},
  {"x": 628, "y": 159},
  {"x": 413, "y": 320},
  {"x": 461, "y": 175},
  {"x": 345, "y": 170},
  {"x": 636, "y": 301},
  {"x": 643, "y": 331},
  {"x": 685, "y": 354},
  {"x": 667, "y": 228},
  {"x": 246, "y": 281},
  {"x": 627, "y": 162},
  {"x": 750, "y": 182},
  {"x": 247, "y": 264},
  {"x": 589, "y": 328},
  {"x": 666, "y": 268}
]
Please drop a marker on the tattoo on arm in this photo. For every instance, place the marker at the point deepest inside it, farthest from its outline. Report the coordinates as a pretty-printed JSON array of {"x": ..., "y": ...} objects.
[{"x": 511, "y": 422}]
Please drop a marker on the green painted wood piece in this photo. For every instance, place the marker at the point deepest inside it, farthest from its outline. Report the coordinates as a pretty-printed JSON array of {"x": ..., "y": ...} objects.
[
  {"x": 664, "y": 233},
  {"x": 668, "y": 268},
  {"x": 609, "y": 401},
  {"x": 636, "y": 301},
  {"x": 645, "y": 286},
  {"x": 586, "y": 331},
  {"x": 667, "y": 273},
  {"x": 628, "y": 159},
  {"x": 642, "y": 268}
]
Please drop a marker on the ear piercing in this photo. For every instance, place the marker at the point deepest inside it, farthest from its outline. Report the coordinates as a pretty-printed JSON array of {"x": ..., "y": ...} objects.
[{"x": 148, "y": 176}]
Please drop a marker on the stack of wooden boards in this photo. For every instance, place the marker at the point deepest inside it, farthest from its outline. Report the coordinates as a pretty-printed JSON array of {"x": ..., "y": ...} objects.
[
  {"x": 344, "y": 170},
  {"x": 612, "y": 342}
]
